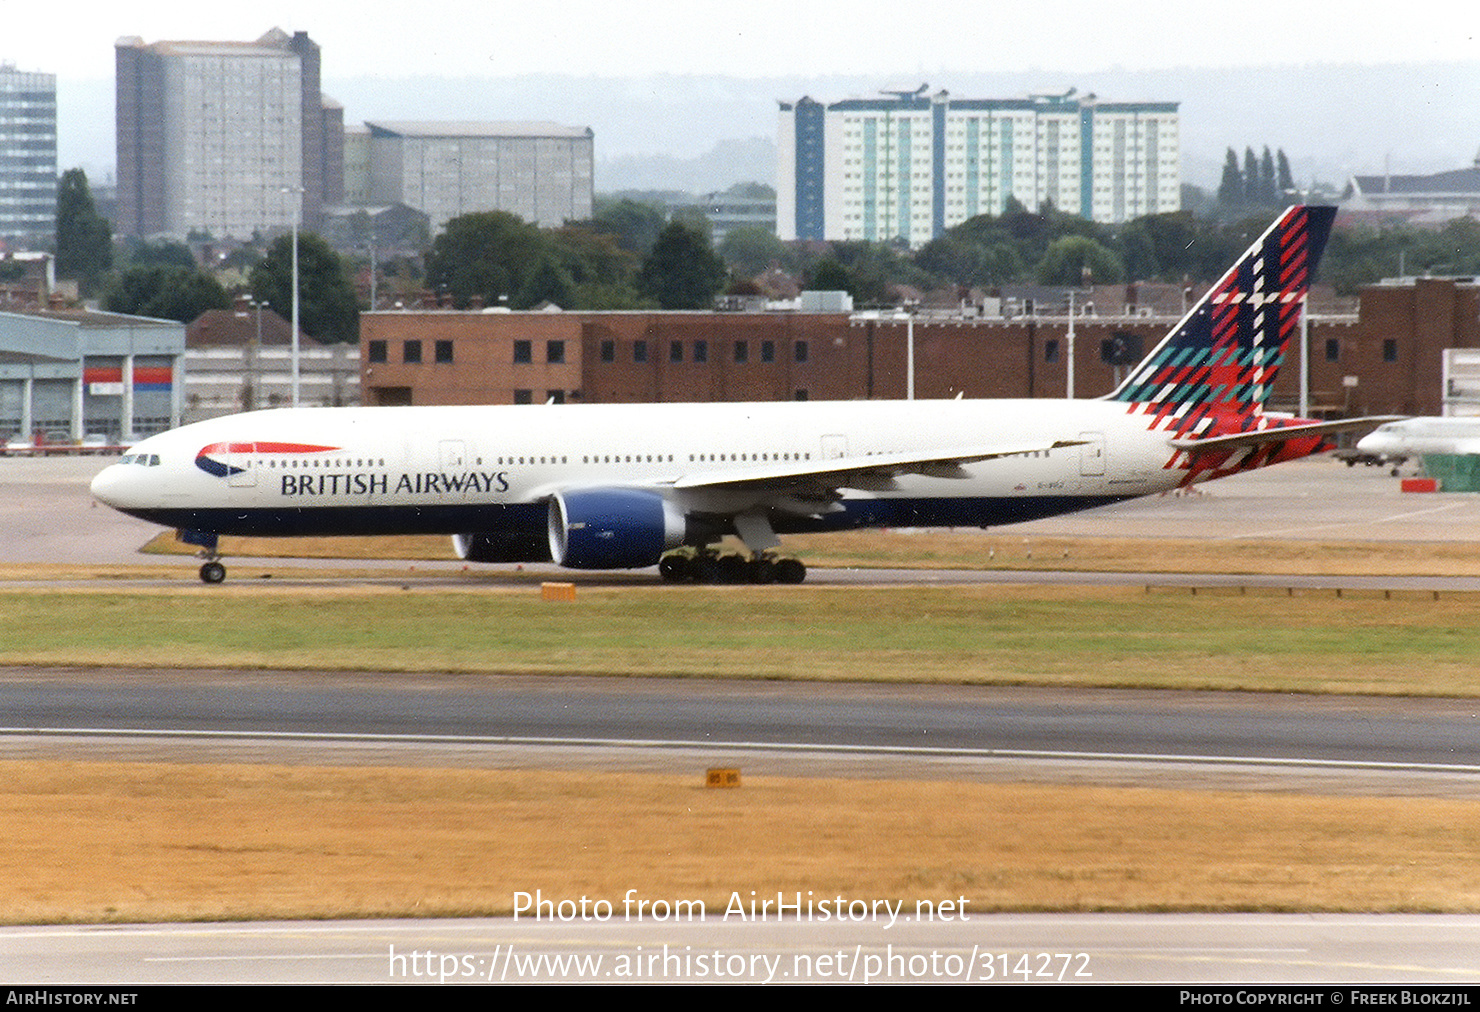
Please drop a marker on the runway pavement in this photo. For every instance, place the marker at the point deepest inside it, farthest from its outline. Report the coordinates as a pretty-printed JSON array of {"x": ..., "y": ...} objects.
[
  {"x": 1201, "y": 740},
  {"x": 1247, "y": 950}
]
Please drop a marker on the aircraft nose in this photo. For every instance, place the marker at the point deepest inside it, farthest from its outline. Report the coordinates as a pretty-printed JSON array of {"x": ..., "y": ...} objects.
[{"x": 106, "y": 486}]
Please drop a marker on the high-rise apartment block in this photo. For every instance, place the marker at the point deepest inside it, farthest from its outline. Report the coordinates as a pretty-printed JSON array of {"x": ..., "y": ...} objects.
[
  {"x": 907, "y": 166},
  {"x": 28, "y": 158},
  {"x": 224, "y": 138}
]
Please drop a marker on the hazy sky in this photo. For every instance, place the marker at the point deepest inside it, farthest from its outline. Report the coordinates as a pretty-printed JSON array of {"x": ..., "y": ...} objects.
[
  {"x": 756, "y": 38},
  {"x": 935, "y": 41}
]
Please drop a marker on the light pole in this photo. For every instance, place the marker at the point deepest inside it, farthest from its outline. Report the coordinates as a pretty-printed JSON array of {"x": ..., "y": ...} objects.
[
  {"x": 1305, "y": 355},
  {"x": 254, "y": 377},
  {"x": 1069, "y": 377},
  {"x": 909, "y": 355},
  {"x": 373, "y": 269},
  {"x": 297, "y": 191}
]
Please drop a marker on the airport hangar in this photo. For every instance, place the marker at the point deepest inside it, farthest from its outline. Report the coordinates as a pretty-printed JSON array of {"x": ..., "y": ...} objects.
[{"x": 65, "y": 374}]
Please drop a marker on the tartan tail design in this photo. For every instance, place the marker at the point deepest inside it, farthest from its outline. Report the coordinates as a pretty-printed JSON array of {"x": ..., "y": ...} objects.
[{"x": 1219, "y": 363}]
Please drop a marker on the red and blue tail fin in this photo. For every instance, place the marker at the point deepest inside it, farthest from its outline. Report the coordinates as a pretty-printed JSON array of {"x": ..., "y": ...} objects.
[{"x": 1214, "y": 371}]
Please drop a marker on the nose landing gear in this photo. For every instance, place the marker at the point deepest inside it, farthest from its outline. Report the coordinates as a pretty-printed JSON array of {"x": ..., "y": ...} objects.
[{"x": 211, "y": 570}]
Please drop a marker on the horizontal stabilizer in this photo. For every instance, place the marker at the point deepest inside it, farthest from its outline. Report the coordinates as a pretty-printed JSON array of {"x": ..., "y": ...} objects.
[{"x": 1275, "y": 434}]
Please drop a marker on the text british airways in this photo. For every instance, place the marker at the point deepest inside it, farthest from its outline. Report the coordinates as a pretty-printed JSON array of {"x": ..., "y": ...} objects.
[{"x": 427, "y": 483}]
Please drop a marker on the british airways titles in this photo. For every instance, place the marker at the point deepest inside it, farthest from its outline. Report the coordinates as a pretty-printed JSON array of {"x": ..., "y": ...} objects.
[{"x": 423, "y": 483}]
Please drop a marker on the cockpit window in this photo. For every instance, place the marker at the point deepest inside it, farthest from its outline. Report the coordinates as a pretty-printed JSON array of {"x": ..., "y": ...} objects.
[{"x": 142, "y": 459}]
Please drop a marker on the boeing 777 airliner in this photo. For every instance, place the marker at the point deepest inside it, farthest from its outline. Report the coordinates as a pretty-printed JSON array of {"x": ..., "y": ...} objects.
[{"x": 610, "y": 486}]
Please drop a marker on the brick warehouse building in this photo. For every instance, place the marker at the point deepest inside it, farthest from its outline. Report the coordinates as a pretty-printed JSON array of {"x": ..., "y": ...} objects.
[{"x": 1387, "y": 358}]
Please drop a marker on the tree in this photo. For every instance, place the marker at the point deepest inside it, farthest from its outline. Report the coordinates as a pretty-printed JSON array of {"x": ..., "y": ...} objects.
[
  {"x": 548, "y": 282},
  {"x": 243, "y": 258},
  {"x": 635, "y": 225},
  {"x": 751, "y": 250},
  {"x": 159, "y": 254},
  {"x": 1169, "y": 239},
  {"x": 328, "y": 309},
  {"x": 1138, "y": 250},
  {"x": 874, "y": 267},
  {"x": 1269, "y": 194},
  {"x": 953, "y": 258},
  {"x": 592, "y": 257},
  {"x": 601, "y": 273},
  {"x": 681, "y": 272},
  {"x": 695, "y": 220},
  {"x": 488, "y": 254},
  {"x": 1286, "y": 181},
  {"x": 752, "y": 191},
  {"x": 84, "y": 238},
  {"x": 831, "y": 276},
  {"x": 165, "y": 292},
  {"x": 1070, "y": 259},
  {"x": 1231, "y": 189}
]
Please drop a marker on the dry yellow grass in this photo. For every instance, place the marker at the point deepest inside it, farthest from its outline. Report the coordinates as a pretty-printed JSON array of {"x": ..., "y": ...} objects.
[
  {"x": 1267, "y": 556},
  {"x": 159, "y": 841}
]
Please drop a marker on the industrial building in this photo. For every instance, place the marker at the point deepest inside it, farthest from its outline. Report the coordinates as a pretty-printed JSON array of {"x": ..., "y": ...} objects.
[
  {"x": 1385, "y": 358},
  {"x": 240, "y": 359},
  {"x": 728, "y": 211},
  {"x": 1427, "y": 200},
  {"x": 542, "y": 172},
  {"x": 907, "y": 165},
  {"x": 65, "y": 374}
]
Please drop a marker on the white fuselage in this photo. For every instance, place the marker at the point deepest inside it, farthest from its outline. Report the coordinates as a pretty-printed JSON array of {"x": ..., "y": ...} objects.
[
  {"x": 1419, "y": 436},
  {"x": 429, "y": 470}
]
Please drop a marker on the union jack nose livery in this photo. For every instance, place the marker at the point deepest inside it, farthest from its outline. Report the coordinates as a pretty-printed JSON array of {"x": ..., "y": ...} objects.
[
  {"x": 622, "y": 486},
  {"x": 215, "y": 458}
]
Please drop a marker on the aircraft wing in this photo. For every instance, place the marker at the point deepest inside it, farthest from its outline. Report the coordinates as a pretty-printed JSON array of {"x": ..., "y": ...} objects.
[
  {"x": 863, "y": 472},
  {"x": 1276, "y": 434}
]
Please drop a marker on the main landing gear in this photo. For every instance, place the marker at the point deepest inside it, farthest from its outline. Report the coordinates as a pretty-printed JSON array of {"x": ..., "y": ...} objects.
[
  {"x": 704, "y": 564},
  {"x": 709, "y": 566}
]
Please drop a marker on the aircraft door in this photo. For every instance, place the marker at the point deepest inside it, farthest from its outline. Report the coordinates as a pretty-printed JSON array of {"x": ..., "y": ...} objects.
[
  {"x": 240, "y": 465},
  {"x": 834, "y": 447},
  {"x": 453, "y": 455},
  {"x": 452, "y": 458},
  {"x": 1092, "y": 454}
]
